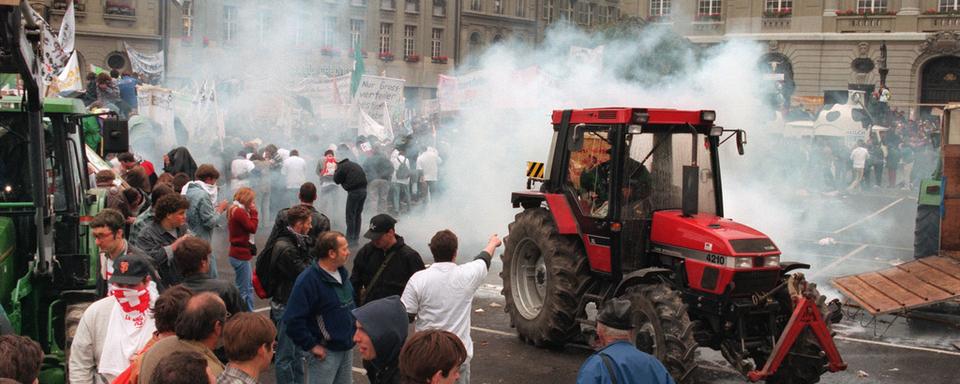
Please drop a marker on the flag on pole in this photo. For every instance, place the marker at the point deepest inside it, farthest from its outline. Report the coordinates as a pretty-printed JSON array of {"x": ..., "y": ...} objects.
[
  {"x": 387, "y": 124},
  {"x": 67, "y": 28},
  {"x": 358, "y": 69},
  {"x": 69, "y": 78},
  {"x": 95, "y": 69}
]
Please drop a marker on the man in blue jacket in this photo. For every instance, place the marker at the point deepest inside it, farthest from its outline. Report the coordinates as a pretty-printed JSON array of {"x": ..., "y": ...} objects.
[
  {"x": 318, "y": 313},
  {"x": 619, "y": 361}
]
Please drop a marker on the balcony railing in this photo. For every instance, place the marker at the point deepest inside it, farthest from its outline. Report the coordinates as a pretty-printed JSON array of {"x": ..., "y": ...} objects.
[
  {"x": 865, "y": 23},
  {"x": 708, "y": 26},
  {"x": 775, "y": 23},
  {"x": 934, "y": 23}
]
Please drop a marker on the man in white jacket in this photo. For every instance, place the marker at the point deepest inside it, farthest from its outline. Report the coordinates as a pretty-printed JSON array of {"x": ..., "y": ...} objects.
[{"x": 115, "y": 328}]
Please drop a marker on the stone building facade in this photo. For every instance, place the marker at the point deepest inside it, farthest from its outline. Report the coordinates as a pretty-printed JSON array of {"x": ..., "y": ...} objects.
[
  {"x": 487, "y": 22},
  {"x": 823, "y": 45},
  {"x": 104, "y": 25},
  {"x": 409, "y": 39}
]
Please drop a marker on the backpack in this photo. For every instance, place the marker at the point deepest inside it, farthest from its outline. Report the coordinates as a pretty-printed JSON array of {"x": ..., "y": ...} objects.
[
  {"x": 403, "y": 171},
  {"x": 261, "y": 273}
]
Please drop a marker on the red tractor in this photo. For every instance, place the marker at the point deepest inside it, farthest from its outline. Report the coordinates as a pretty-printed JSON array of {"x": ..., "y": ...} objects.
[{"x": 625, "y": 210}]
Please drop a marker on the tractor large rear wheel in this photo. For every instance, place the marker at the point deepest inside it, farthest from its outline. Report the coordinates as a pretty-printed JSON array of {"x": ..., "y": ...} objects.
[
  {"x": 541, "y": 273},
  {"x": 664, "y": 329},
  {"x": 926, "y": 235}
]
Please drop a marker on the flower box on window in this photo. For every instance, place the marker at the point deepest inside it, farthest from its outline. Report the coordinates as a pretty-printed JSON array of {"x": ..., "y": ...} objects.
[
  {"x": 439, "y": 59},
  {"x": 412, "y": 58},
  {"x": 707, "y": 17},
  {"x": 119, "y": 8},
  {"x": 386, "y": 56},
  {"x": 936, "y": 12},
  {"x": 329, "y": 51},
  {"x": 778, "y": 13},
  {"x": 865, "y": 13}
]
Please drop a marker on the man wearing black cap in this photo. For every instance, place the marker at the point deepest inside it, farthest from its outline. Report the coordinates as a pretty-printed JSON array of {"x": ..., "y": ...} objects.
[
  {"x": 115, "y": 328},
  {"x": 619, "y": 361},
  {"x": 383, "y": 266}
]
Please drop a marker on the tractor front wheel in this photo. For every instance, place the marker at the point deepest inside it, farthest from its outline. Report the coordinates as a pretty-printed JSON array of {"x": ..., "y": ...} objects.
[
  {"x": 664, "y": 329},
  {"x": 542, "y": 271}
]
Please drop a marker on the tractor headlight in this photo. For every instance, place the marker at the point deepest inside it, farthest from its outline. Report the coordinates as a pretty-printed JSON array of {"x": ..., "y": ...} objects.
[
  {"x": 743, "y": 262},
  {"x": 771, "y": 261}
]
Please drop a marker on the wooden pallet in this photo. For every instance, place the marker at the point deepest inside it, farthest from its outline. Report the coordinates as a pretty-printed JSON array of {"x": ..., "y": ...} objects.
[{"x": 907, "y": 286}]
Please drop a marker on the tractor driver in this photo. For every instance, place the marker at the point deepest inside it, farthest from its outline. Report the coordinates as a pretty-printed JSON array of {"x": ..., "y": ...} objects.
[{"x": 636, "y": 191}]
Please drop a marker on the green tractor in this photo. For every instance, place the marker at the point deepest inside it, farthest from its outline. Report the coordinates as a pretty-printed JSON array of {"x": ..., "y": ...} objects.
[
  {"x": 936, "y": 194},
  {"x": 48, "y": 259}
]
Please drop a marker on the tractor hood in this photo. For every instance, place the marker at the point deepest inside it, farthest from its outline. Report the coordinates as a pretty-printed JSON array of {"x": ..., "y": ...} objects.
[{"x": 709, "y": 233}]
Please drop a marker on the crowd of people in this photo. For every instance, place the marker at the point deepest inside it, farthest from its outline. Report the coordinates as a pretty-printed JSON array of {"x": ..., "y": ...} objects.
[
  {"x": 166, "y": 316},
  {"x": 894, "y": 157}
]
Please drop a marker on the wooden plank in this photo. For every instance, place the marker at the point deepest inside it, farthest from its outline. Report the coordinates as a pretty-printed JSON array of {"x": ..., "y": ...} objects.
[
  {"x": 920, "y": 288},
  {"x": 944, "y": 265},
  {"x": 893, "y": 291},
  {"x": 932, "y": 276},
  {"x": 875, "y": 301}
]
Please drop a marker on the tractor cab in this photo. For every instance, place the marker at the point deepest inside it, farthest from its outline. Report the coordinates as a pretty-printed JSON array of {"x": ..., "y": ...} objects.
[{"x": 617, "y": 166}]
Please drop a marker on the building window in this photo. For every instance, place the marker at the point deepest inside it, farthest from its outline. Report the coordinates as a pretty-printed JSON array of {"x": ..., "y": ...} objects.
[
  {"x": 229, "y": 23},
  {"x": 566, "y": 10},
  {"x": 521, "y": 8},
  {"x": 708, "y": 8},
  {"x": 548, "y": 10},
  {"x": 949, "y": 5},
  {"x": 778, "y": 5},
  {"x": 582, "y": 13},
  {"x": 328, "y": 31},
  {"x": 264, "y": 23},
  {"x": 602, "y": 16},
  {"x": 409, "y": 40},
  {"x": 659, "y": 7},
  {"x": 356, "y": 33},
  {"x": 385, "y": 29},
  {"x": 873, "y": 6},
  {"x": 435, "y": 42},
  {"x": 413, "y": 6},
  {"x": 388, "y": 4},
  {"x": 475, "y": 5},
  {"x": 591, "y": 14},
  {"x": 439, "y": 8},
  {"x": 498, "y": 7}
]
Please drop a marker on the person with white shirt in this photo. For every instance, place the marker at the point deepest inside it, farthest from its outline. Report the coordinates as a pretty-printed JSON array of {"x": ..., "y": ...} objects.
[
  {"x": 441, "y": 296},
  {"x": 400, "y": 190},
  {"x": 859, "y": 158},
  {"x": 295, "y": 170},
  {"x": 428, "y": 163},
  {"x": 241, "y": 170}
]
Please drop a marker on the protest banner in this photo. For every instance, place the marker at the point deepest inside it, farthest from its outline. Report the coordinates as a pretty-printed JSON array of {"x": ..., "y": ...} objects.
[
  {"x": 374, "y": 91},
  {"x": 146, "y": 63}
]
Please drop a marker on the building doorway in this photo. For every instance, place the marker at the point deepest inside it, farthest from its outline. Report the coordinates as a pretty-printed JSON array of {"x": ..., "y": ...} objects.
[{"x": 940, "y": 80}]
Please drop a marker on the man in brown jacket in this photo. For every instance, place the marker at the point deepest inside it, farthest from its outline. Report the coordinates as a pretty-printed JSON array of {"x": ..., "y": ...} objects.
[{"x": 198, "y": 330}]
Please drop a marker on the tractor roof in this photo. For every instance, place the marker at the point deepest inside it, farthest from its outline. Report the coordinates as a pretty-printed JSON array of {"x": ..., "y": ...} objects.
[
  {"x": 622, "y": 115},
  {"x": 50, "y": 105}
]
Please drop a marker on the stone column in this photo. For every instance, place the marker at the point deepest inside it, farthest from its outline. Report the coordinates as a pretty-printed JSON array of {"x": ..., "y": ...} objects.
[
  {"x": 830, "y": 7},
  {"x": 909, "y": 7}
]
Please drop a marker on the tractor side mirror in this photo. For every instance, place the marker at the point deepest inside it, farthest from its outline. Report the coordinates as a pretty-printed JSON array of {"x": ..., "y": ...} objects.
[
  {"x": 576, "y": 142},
  {"x": 741, "y": 140},
  {"x": 690, "y": 192}
]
